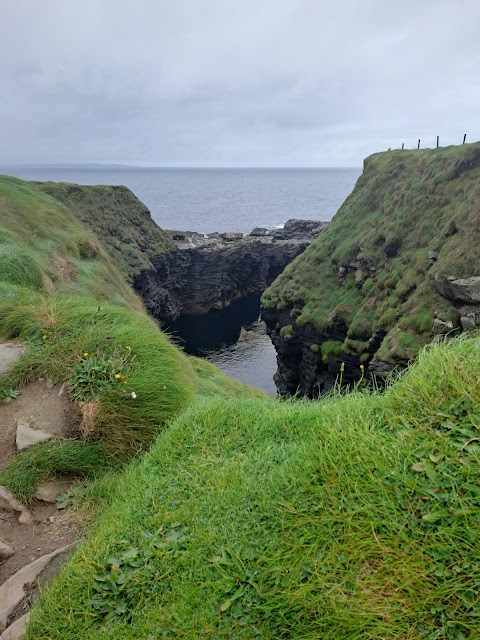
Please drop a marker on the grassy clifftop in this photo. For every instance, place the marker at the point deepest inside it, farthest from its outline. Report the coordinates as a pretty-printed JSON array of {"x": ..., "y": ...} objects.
[
  {"x": 118, "y": 218},
  {"x": 370, "y": 269},
  {"x": 66, "y": 300},
  {"x": 248, "y": 517}
]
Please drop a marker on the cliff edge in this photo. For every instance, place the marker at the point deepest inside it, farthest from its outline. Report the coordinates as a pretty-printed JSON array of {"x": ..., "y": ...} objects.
[{"x": 386, "y": 276}]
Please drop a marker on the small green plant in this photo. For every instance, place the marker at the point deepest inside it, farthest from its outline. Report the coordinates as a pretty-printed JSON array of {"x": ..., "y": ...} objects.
[
  {"x": 134, "y": 568},
  {"x": 8, "y": 394},
  {"x": 96, "y": 371}
]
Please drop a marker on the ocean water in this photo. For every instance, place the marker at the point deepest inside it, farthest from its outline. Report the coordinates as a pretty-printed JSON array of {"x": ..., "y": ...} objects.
[{"x": 207, "y": 200}]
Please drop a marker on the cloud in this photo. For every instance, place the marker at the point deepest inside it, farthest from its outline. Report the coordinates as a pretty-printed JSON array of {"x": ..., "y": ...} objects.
[{"x": 230, "y": 83}]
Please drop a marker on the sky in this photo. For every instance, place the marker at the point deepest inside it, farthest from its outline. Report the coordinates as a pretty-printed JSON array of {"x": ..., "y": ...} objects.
[{"x": 234, "y": 83}]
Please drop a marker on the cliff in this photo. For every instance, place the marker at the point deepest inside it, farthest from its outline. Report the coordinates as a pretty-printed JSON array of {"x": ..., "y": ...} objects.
[
  {"x": 209, "y": 272},
  {"x": 377, "y": 285},
  {"x": 122, "y": 223}
]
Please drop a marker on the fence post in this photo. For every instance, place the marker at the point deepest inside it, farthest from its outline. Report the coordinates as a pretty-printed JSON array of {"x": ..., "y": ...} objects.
[
  {"x": 438, "y": 138},
  {"x": 464, "y": 138},
  {"x": 418, "y": 146},
  {"x": 403, "y": 144}
]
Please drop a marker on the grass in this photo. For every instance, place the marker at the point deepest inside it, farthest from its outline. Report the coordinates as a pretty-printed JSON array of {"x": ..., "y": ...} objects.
[
  {"x": 405, "y": 204},
  {"x": 57, "y": 458},
  {"x": 44, "y": 247},
  {"x": 245, "y": 517},
  {"x": 119, "y": 219},
  {"x": 62, "y": 296},
  {"x": 354, "y": 517}
]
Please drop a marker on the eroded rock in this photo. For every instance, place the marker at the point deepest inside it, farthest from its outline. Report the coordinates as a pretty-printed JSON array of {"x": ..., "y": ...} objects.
[
  {"x": 49, "y": 491},
  {"x": 10, "y": 354},
  {"x": 12, "y": 591},
  {"x": 6, "y": 550},
  {"x": 10, "y": 503},
  {"x": 463, "y": 289},
  {"x": 26, "y": 436}
]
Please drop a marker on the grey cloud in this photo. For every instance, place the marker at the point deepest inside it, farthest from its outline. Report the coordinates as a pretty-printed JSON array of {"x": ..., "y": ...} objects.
[{"x": 233, "y": 83}]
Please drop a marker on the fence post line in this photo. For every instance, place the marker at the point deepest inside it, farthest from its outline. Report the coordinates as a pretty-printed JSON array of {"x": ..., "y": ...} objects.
[
  {"x": 418, "y": 146},
  {"x": 464, "y": 137},
  {"x": 438, "y": 139}
]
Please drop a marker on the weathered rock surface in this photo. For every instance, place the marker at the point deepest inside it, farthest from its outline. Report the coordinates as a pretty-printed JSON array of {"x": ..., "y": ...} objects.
[
  {"x": 17, "y": 629},
  {"x": 6, "y": 550},
  {"x": 9, "y": 355},
  {"x": 246, "y": 336},
  {"x": 10, "y": 503},
  {"x": 12, "y": 591},
  {"x": 26, "y": 436},
  {"x": 462, "y": 289},
  {"x": 301, "y": 365},
  {"x": 49, "y": 491},
  {"x": 211, "y": 271}
]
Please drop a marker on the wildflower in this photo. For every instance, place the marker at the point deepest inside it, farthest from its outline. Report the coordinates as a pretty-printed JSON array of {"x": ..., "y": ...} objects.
[
  {"x": 134, "y": 395},
  {"x": 125, "y": 382},
  {"x": 362, "y": 367},
  {"x": 118, "y": 375},
  {"x": 342, "y": 367},
  {"x": 85, "y": 354},
  {"x": 127, "y": 347}
]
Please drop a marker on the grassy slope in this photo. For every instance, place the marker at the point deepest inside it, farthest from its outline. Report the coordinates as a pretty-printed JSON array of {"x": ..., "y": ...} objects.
[
  {"x": 44, "y": 247},
  {"x": 118, "y": 218},
  {"x": 348, "y": 518},
  {"x": 355, "y": 517},
  {"x": 405, "y": 202},
  {"x": 63, "y": 297}
]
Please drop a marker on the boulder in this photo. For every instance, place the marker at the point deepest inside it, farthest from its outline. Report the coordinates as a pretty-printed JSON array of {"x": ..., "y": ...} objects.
[
  {"x": 9, "y": 355},
  {"x": 463, "y": 289},
  {"x": 230, "y": 236},
  {"x": 49, "y": 491},
  {"x": 468, "y": 322},
  {"x": 10, "y": 503},
  {"x": 26, "y": 436},
  {"x": 245, "y": 335},
  {"x": 6, "y": 550},
  {"x": 441, "y": 328}
]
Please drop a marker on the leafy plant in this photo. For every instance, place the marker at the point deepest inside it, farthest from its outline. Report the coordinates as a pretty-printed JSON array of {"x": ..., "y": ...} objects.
[
  {"x": 94, "y": 372},
  {"x": 8, "y": 394},
  {"x": 135, "y": 566}
]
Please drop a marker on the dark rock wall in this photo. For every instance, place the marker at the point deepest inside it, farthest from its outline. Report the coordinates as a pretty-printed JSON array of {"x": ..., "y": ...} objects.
[
  {"x": 210, "y": 272},
  {"x": 302, "y": 369}
]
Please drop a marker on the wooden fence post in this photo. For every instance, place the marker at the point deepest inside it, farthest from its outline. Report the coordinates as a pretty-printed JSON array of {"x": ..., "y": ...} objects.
[
  {"x": 403, "y": 144},
  {"x": 464, "y": 138},
  {"x": 418, "y": 146},
  {"x": 438, "y": 138}
]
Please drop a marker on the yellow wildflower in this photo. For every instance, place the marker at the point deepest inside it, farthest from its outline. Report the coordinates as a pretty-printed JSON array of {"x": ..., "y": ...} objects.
[
  {"x": 117, "y": 375},
  {"x": 85, "y": 354}
]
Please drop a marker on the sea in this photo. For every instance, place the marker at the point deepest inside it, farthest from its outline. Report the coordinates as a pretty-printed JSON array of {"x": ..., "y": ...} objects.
[{"x": 207, "y": 200}]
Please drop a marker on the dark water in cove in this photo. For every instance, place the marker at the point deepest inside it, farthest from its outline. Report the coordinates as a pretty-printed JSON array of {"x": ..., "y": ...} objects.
[
  {"x": 215, "y": 337},
  {"x": 207, "y": 200}
]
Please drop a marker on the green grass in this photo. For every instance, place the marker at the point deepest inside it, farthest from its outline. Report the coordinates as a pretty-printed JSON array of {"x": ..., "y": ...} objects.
[
  {"x": 57, "y": 458},
  {"x": 405, "y": 204},
  {"x": 119, "y": 219},
  {"x": 354, "y": 517},
  {"x": 44, "y": 247}
]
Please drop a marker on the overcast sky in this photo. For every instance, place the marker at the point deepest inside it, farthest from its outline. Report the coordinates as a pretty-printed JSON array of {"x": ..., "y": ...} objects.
[{"x": 234, "y": 82}]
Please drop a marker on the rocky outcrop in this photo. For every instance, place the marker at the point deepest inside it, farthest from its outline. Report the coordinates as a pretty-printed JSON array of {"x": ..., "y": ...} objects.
[
  {"x": 309, "y": 362},
  {"x": 462, "y": 289},
  {"x": 211, "y": 271},
  {"x": 371, "y": 291}
]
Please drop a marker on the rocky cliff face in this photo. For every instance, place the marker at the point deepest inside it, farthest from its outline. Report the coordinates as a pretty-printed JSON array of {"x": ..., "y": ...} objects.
[
  {"x": 208, "y": 272},
  {"x": 397, "y": 266}
]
